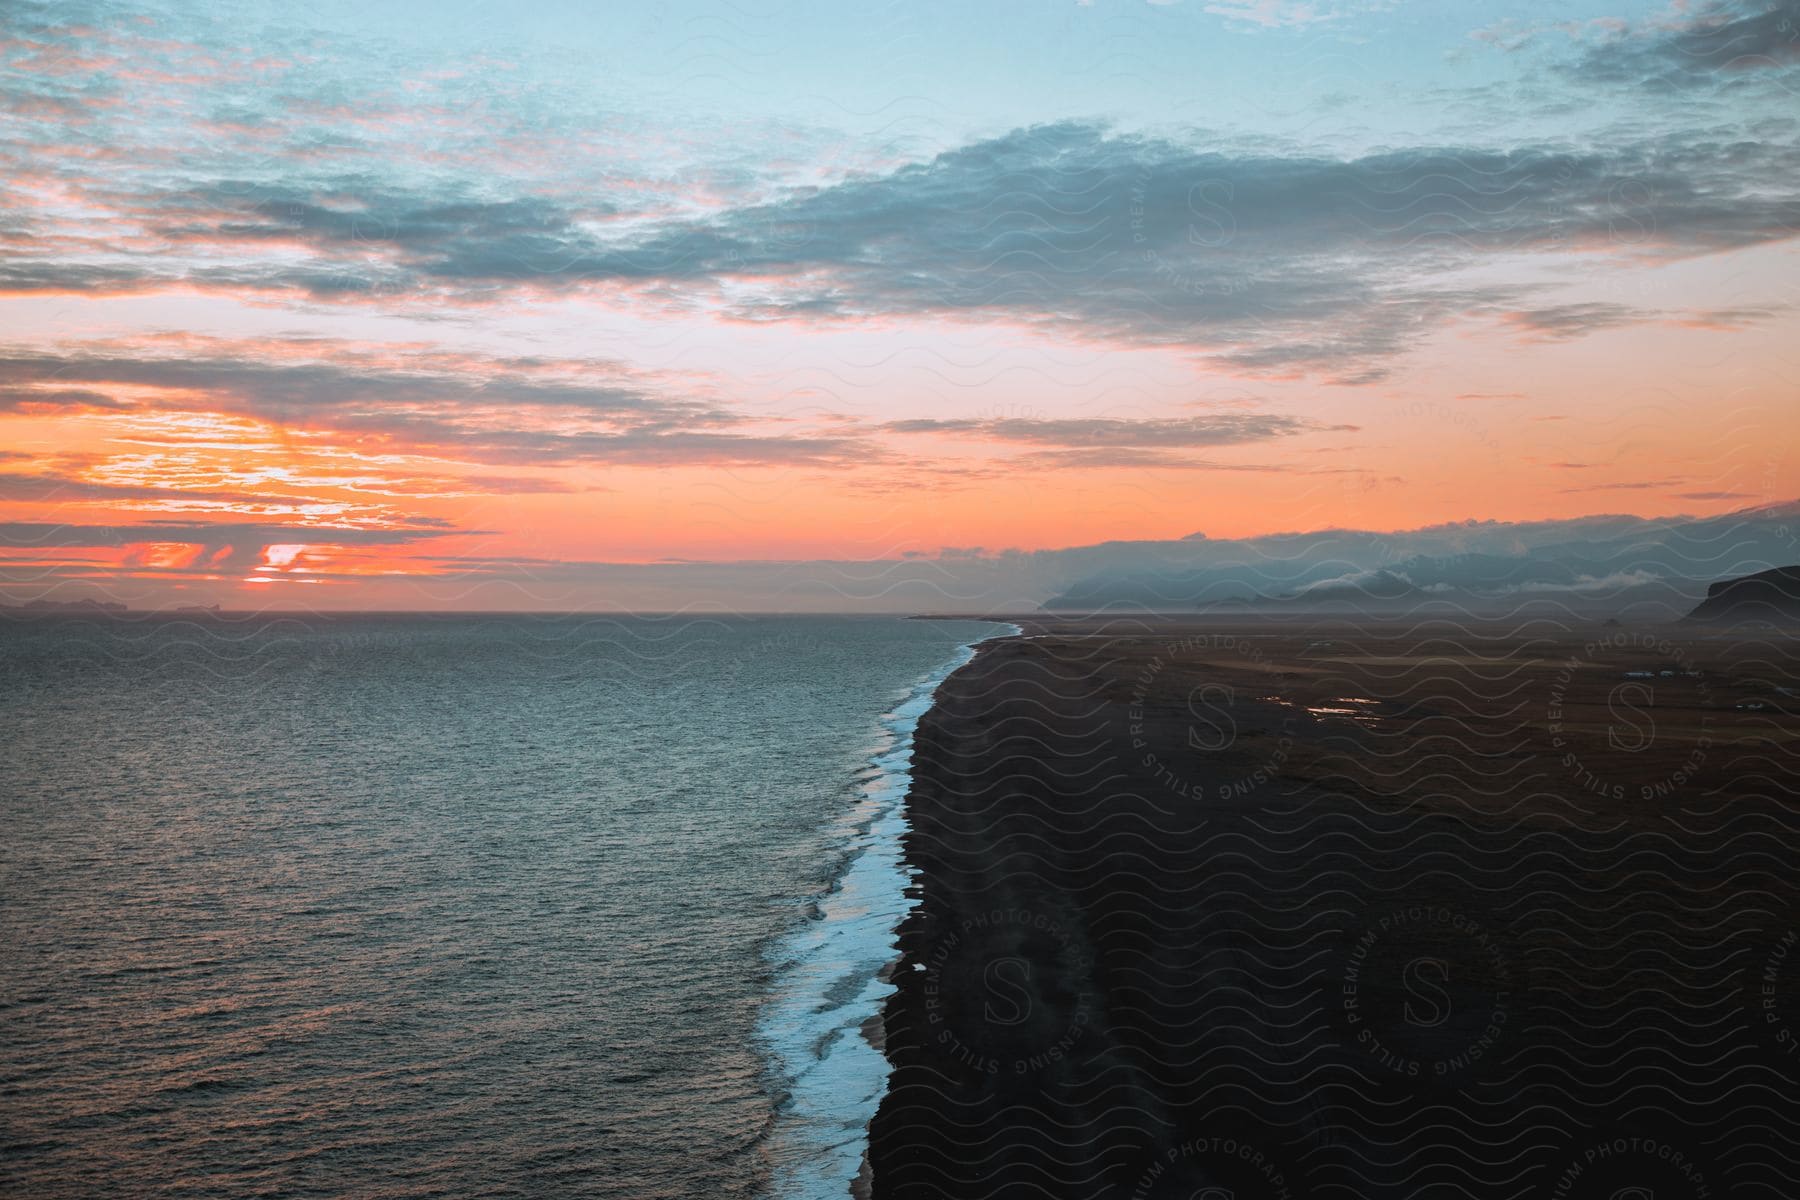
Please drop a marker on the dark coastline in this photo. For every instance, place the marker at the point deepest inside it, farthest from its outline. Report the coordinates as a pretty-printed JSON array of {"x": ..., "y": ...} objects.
[{"x": 1296, "y": 909}]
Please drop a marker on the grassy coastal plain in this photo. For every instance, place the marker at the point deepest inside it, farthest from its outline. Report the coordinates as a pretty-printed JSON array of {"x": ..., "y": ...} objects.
[{"x": 1389, "y": 907}]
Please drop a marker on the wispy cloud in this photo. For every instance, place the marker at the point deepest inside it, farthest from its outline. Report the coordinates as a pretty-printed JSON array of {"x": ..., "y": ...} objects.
[
  {"x": 1704, "y": 44},
  {"x": 236, "y": 535},
  {"x": 1293, "y": 14},
  {"x": 1563, "y": 322},
  {"x": 511, "y": 411},
  {"x": 1226, "y": 429}
]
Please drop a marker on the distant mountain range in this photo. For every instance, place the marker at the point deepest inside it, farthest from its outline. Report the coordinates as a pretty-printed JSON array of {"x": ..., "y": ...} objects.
[{"x": 1632, "y": 567}]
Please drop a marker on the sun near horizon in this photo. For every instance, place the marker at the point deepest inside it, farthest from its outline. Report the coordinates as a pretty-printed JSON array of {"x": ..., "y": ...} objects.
[{"x": 405, "y": 312}]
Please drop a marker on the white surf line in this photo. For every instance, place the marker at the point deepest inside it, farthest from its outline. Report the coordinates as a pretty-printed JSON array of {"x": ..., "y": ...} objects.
[{"x": 831, "y": 975}]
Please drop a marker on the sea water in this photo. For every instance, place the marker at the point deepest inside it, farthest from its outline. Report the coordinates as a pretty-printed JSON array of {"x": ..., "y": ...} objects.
[
  {"x": 450, "y": 905},
  {"x": 831, "y": 979}
]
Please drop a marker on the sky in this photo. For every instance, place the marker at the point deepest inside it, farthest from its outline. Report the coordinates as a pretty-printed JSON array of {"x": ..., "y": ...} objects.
[{"x": 477, "y": 306}]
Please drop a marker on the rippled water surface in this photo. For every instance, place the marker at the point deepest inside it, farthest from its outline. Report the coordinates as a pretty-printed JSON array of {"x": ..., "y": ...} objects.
[{"x": 409, "y": 906}]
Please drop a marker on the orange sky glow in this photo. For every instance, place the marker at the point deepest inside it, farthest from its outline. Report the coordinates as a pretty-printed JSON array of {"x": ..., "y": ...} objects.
[{"x": 443, "y": 345}]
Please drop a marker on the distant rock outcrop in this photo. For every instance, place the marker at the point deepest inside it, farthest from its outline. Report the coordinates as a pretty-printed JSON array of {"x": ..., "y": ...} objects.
[
  {"x": 1767, "y": 597},
  {"x": 1371, "y": 585}
]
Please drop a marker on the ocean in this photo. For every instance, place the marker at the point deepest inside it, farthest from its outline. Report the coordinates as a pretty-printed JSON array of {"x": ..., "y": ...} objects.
[{"x": 450, "y": 906}]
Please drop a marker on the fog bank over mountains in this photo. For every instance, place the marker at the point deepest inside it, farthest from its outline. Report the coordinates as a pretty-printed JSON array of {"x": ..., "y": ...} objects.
[{"x": 1651, "y": 569}]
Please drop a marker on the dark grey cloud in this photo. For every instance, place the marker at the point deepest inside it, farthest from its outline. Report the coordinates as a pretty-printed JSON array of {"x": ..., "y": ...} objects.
[
  {"x": 1729, "y": 318},
  {"x": 1137, "y": 458},
  {"x": 499, "y": 411},
  {"x": 1278, "y": 262},
  {"x": 52, "y": 488},
  {"x": 1112, "y": 443},
  {"x": 1225, "y": 429},
  {"x": 1564, "y": 322},
  {"x": 1720, "y": 41},
  {"x": 236, "y": 534},
  {"x": 292, "y": 390},
  {"x": 60, "y": 487},
  {"x": 30, "y": 269},
  {"x": 17, "y": 399},
  {"x": 1640, "y": 485},
  {"x": 376, "y": 218},
  {"x": 420, "y": 237},
  {"x": 671, "y": 448}
]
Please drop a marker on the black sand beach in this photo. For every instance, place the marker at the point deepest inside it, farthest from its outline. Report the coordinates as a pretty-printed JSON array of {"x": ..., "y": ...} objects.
[{"x": 1394, "y": 909}]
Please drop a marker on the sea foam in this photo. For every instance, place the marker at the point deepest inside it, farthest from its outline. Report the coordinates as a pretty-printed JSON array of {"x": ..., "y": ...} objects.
[{"x": 830, "y": 978}]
